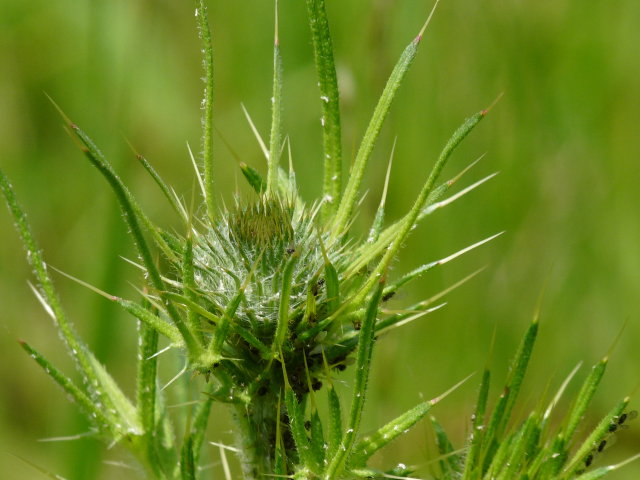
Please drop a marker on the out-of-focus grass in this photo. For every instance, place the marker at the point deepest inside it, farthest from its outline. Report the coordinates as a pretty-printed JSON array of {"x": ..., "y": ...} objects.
[{"x": 564, "y": 137}]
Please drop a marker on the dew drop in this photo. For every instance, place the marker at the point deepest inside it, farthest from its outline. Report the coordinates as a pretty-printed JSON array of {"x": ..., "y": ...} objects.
[{"x": 324, "y": 98}]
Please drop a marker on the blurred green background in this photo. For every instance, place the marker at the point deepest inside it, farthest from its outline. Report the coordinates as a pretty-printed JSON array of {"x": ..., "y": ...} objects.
[{"x": 564, "y": 138}]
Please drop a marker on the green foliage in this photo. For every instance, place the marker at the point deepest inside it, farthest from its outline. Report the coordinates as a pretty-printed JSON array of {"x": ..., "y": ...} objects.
[
  {"x": 503, "y": 446},
  {"x": 269, "y": 300}
]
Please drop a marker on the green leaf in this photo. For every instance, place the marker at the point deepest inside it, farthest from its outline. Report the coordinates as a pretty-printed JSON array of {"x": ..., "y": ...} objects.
[
  {"x": 133, "y": 216},
  {"x": 88, "y": 407},
  {"x": 189, "y": 288},
  {"x": 283, "y": 304},
  {"x": 125, "y": 412},
  {"x": 597, "y": 434},
  {"x": 450, "y": 463},
  {"x": 276, "y": 115},
  {"x": 201, "y": 420},
  {"x": 48, "y": 296},
  {"x": 151, "y": 320},
  {"x": 363, "y": 365},
  {"x": 317, "y": 439},
  {"x": 408, "y": 222},
  {"x": 584, "y": 397},
  {"x": 371, "y": 136},
  {"x": 477, "y": 425},
  {"x": 161, "y": 184},
  {"x": 335, "y": 422},
  {"x": 204, "y": 32},
  {"x": 254, "y": 178},
  {"x": 146, "y": 392},
  {"x": 296, "y": 424},
  {"x": 187, "y": 463},
  {"x": 518, "y": 370},
  {"x": 373, "y": 442},
  {"x": 330, "y": 101}
]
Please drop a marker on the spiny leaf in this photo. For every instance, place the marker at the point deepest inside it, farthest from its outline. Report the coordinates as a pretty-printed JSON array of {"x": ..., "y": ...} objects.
[
  {"x": 594, "y": 438},
  {"x": 283, "y": 305},
  {"x": 378, "y": 220},
  {"x": 161, "y": 184},
  {"x": 449, "y": 462},
  {"x": 373, "y": 442},
  {"x": 330, "y": 100},
  {"x": 146, "y": 390},
  {"x": 207, "y": 103},
  {"x": 602, "y": 471},
  {"x": 133, "y": 216},
  {"x": 584, "y": 398},
  {"x": 477, "y": 425},
  {"x": 363, "y": 364},
  {"x": 95, "y": 414},
  {"x": 153, "y": 321},
  {"x": 76, "y": 348},
  {"x": 414, "y": 274},
  {"x": 276, "y": 114},
  {"x": 335, "y": 421},
  {"x": 408, "y": 222},
  {"x": 371, "y": 135},
  {"x": 189, "y": 287},
  {"x": 296, "y": 424}
]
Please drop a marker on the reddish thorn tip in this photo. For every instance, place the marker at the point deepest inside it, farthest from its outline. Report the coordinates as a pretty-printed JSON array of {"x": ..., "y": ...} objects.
[{"x": 22, "y": 342}]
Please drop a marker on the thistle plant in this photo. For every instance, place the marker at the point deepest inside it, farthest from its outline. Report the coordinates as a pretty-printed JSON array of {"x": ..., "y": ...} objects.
[{"x": 269, "y": 300}]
